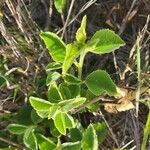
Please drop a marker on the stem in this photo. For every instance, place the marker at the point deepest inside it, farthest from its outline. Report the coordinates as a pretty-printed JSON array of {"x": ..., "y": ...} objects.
[{"x": 80, "y": 65}]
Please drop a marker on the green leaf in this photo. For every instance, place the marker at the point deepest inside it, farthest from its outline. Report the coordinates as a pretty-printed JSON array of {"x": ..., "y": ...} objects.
[
  {"x": 81, "y": 32},
  {"x": 99, "y": 81},
  {"x": 101, "y": 131},
  {"x": 62, "y": 121},
  {"x": 69, "y": 121},
  {"x": 55, "y": 45},
  {"x": 39, "y": 104},
  {"x": 64, "y": 90},
  {"x": 53, "y": 66},
  {"x": 54, "y": 96},
  {"x": 23, "y": 115},
  {"x": 59, "y": 121},
  {"x": 30, "y": 139},
  {"x": 60, "y": 5},
  {"x": 45, "y": 143},
  {"x": 76, "y": 134},
  {"x": 104, "y": 41},
  {"x": 71, "y": 146},
  {"x": 17, "y": 128},
  {"x": 35, "y": 117},
  {"x": 52, "y": 111},
  {"x": 68, "y": 105},
  {"x": 52, "y": 77},
  {"x": 70, "y": 79},
  {"x": 74, "y": 90},
  {"x": 43, "y": 113},
  {"x": 72, "y": 52},
  {"x": 89, "y": 141}
]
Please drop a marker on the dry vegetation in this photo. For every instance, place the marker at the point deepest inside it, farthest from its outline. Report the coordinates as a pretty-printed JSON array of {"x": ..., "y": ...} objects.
[{"x": 24, "y": 58}]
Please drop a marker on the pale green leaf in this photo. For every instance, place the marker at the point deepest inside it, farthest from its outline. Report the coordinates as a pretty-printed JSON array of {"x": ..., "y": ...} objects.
[
  {"x": 55, "y": 45},
  {"x": 99, "y": 81},
  {"x": 81, "y": 32},
  {"x": 39, "y": 104},
  {"x": 30, "y": 139},
  {"x": 71, "y": 146},
  {"x": 59, "y": 121},
  {"x": 70, "y": 104},
  {"x": 45, "y": 143},
  {"x": 104, "y": 41},
  {"x": 72, "y": 52},
  {"x": 89, "y": 141},
  {"x": 52, "y": 77},
  {"x": 60, "y": 5},
  {"x": 53, "y": 66}
]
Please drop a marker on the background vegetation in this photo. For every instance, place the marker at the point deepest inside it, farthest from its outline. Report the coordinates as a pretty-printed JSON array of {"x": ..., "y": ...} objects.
[{"x": 24, "y": 57}]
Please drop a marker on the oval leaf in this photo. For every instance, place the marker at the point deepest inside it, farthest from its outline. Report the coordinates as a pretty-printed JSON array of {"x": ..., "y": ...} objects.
[
  {"x": 70, "y": 79},
  {"x": 60, "y": 5},
  {"x": 17, "y": 128},
  {"x": 55, "y": 45},
  {"x": 45, "y": 143},
  {"x": 68, "y": 105},
  {"x": 104, "y": 41},
  {"x": 89, "y": 141},
  {"x": 99, "y": 81},
  {"x": 30, "y": 139},
  {"x": 52, "y": 77},
  {"x": 54, "y": 96},
  {"x": 59, "y": 121},
  {"x": 72, "y": 52},
  {"x": 39, "y": 104}
]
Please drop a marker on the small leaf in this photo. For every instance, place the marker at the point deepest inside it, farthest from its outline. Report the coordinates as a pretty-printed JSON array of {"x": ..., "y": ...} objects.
[
  {"x": 35, "y": 117},
  {"x": 81, "y": 32},
  {"x": 64, "y": 90},
  {"x": 89, "y": 141},
  {"x": 52, "y": 111},
  {"x": 52, "y": 77},
  {"x": 72, "y": 52},
  {"x": 70, "y": 79},
  {"x": 69, "y": 121},
  {"x": 59, "y": 121},
  {"x": 55, "y": 45},
  {"x": 17, "y": 128},
  {"x": 30, "y": 139},
  {"x": 54, "y": 96},
  {"x": 53, "y": 66},
  {"x": 60, "y": 5},
  {"x": 104, "y": 41},
  {"x": 39, "y": 104},
  {"x": 74, "y": 90},
  {"x": 101, "y": 131},
  {"x": 76, "y": 134},
  {"x": 43, "y": 113},
  {"x": 45, "y": 143},
  {"x": 68, "y": 105},
  {"x": 99, "y": 81},
  {"x": 62, "y": 121},
  {"x": 71, "y": 146}
]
